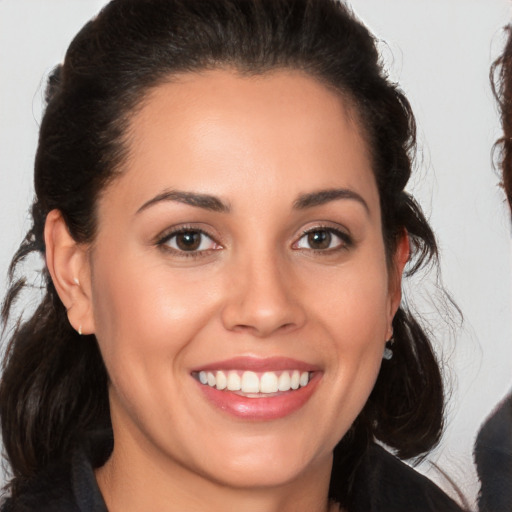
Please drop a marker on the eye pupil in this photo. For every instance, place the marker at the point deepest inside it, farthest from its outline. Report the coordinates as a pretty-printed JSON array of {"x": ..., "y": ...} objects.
[
  {"x": 188, "y": 241},
  {"x": 319, "y": 239}
]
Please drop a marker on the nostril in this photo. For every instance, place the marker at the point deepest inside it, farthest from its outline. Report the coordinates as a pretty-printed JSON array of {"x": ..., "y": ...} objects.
[
  {"x": 260, "y": 330},
  {"x": 261, "y": 306},
  {"x": 242, "y": 327}
]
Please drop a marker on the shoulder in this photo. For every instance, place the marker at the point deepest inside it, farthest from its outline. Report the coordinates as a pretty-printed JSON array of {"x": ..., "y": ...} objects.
[
  {"x": 493, "y": 458},
  {"x": 67, "y": 486},
  {"x": 385, "y": 483},
  {"x": 50, "y": 491},
  {"x": 495, "y": 436}
]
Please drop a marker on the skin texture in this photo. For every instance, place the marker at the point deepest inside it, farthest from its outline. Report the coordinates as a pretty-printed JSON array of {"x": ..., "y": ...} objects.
[{"x": 255, "y": 288}]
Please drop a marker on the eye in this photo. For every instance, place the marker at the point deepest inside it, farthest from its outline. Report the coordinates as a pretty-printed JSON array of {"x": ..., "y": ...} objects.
[
  {"x": 323, "y": 239},
  {"x": 188, "y": 240}
]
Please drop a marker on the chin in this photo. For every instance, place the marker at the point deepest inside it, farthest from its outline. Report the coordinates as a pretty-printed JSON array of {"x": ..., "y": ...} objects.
[
  {"x": 258, "y": 474},
  {"x": 273, "y": 463}
]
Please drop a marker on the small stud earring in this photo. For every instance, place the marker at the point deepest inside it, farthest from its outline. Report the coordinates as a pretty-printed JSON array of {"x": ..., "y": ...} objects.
[
  {"x": 388, "y": 351},
  {"x": 76, "y": 281},
  {"x": 80, "y": 330}
]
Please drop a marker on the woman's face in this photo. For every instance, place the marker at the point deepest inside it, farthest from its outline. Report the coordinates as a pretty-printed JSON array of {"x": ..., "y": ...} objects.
[{"x": 241, "y": 248}]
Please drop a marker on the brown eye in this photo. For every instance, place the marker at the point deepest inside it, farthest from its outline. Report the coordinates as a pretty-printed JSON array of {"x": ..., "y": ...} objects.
[
  {"x": 323, "y": 239},
  {"x": 190, "y": 241},
  {"x": 319, "y": 239}
]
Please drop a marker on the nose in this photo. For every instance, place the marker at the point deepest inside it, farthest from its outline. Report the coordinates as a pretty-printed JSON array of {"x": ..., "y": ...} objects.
[{"x": 262, "y": 299}]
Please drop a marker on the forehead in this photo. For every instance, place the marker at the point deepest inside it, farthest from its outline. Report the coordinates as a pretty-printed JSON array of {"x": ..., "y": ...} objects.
[{"x": 220, "y": 132}]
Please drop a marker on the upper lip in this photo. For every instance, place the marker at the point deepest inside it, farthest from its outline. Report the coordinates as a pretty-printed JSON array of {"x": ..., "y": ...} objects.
[{"x": 258, "y": 364}]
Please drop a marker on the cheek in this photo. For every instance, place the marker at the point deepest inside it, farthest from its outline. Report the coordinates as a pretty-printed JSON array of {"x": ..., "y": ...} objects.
[
  {"x": 147, "y": 318},
  {"x": 357, "y": 324},
  {"x": 351, "y": 308},
  {"x": 147, "y": 311},
  {"x": 353, "y": 301}
]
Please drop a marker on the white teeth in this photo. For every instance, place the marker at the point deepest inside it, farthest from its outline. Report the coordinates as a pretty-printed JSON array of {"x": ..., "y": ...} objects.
[
  {"x": 295, "y": 380},
  {"x": 222, "y": 381},
  {"x": 251, "y": 382},
  {"x": 284, "y": 382},
  {"x": 268, "y": 383},
  {"x": 234, "y": 382}
]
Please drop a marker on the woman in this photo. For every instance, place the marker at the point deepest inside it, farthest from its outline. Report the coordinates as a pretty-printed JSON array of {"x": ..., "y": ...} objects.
[
  {"x": 220, "y": 203},
  {"x": 493, "y": 447}
]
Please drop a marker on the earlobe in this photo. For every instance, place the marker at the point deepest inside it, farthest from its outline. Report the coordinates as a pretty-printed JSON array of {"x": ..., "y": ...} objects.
[{"x": 68, "y": 264}]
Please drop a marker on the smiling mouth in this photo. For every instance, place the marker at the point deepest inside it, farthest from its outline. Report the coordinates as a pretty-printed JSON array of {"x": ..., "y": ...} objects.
[{"x": 254, "y": 383}]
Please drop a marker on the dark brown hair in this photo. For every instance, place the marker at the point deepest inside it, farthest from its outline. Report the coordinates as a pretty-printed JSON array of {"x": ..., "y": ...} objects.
[
  {"x": 54, "y": 387},
  {"x": 501, "y": 81}
]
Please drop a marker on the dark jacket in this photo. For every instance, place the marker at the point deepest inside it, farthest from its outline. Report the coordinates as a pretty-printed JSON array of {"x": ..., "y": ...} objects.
[
  {"x": 383, "y": 484},
  {"x": 493, "y": 458}
]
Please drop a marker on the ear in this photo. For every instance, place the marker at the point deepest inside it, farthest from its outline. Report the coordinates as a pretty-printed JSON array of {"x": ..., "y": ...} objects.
[
  {"x": 400, "y": 259},
  {"x": 68, "y": 264}
]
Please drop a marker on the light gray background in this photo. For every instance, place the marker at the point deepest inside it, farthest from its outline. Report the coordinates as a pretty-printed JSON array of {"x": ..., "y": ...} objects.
[{"x": 440, "y": 52}]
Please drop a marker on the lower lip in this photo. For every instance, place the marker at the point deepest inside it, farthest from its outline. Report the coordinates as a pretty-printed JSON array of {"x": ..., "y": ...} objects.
[{"x": 264, "y": 408}]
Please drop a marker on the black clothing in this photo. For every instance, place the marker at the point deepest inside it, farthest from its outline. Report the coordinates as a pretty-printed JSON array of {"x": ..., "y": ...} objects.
[
  {"x": 493, "y": 458},
  {"x": 69, "y": 486},
  {"x": 383, "y": 484}
]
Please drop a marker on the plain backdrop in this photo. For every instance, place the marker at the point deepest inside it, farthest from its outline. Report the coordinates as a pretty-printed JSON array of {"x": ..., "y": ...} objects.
[{"x": 440, "y": 52}]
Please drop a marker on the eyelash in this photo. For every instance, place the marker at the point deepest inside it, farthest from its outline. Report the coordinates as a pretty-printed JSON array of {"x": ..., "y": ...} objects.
[{"x": 346, "y": 241}]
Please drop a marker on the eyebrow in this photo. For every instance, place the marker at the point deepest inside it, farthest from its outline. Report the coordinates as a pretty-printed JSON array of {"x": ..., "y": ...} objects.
[
  {"x": 212, "y": 203},
  {"x": 326, "y": 196},
  {"x": 204, "y": 201}
]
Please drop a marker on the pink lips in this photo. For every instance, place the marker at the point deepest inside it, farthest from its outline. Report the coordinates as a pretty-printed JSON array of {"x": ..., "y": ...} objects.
[
  {"x": 256, "y": 364},
  {"x": 262, "y": 407}
]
